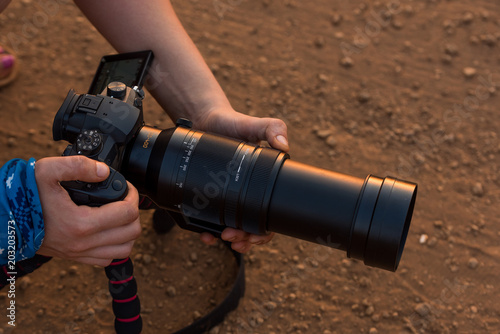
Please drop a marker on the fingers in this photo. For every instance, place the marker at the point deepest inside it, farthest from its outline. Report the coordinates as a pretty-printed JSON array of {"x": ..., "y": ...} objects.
[
  {"x": 276, "y": 134},
  {"x": 115, "y": 214},
  {"x": 71, "y": 168},
  {"x": 207, "y": 238},
  {"x": 272, "y": 130},
  {"x": 242, "y": 241}
]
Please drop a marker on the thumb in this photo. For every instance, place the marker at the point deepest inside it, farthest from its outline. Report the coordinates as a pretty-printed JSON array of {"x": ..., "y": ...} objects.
[{"x": 56, "y": 169}]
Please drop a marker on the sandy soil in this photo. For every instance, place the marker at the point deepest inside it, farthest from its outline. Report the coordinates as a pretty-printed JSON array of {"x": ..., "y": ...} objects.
[{"x": 407, "y": 88}]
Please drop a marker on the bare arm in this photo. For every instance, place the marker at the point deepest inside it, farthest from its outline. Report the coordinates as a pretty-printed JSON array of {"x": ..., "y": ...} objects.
[{"x": 184, "y": 85}]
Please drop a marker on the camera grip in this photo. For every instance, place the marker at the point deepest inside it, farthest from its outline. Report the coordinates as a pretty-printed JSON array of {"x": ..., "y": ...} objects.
[
  {"x": 113, "y": 189},
  {"x": 122, "y": 284}
]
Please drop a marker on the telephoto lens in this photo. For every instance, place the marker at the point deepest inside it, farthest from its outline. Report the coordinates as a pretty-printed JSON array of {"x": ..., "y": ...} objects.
[{"x": 226, "y": 182}]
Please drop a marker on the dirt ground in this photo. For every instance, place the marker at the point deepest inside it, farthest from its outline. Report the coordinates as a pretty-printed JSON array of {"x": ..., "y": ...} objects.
[{"x": 402, "y": 88}]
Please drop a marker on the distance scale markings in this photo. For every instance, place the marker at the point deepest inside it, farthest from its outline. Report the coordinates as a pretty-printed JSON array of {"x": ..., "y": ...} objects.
[{"x": 188, "y": 146}]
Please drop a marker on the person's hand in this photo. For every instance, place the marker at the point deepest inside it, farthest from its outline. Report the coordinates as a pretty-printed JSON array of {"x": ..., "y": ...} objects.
[
  {"x": 253, "y": 129},
  {"x": 91, "y": 235}
]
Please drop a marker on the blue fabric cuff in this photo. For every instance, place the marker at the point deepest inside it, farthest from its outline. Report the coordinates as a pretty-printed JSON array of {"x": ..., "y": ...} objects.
[{"x": 20, "y": 207}]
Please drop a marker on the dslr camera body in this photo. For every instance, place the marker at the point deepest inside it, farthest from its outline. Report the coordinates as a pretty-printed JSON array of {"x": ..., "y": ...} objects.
[{"x": 209, "y": 182}]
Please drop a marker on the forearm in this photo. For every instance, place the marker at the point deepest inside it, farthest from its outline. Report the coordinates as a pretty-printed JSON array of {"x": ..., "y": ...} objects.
[{"x": 182, "y": 82}]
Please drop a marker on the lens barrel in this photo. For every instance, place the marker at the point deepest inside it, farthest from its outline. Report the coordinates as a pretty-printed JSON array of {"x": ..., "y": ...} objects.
[{"x": 228, "y": 182}]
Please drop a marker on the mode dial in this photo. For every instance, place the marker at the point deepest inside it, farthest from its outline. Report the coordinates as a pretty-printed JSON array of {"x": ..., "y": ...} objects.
[{"x": 88, "y": 142}]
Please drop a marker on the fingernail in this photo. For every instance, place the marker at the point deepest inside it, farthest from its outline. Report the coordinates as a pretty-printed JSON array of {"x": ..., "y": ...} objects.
[
  {"x": 7, "y": 61},
  {"x": 102, "y": 169},
  {"x": 282, "y": 140}
]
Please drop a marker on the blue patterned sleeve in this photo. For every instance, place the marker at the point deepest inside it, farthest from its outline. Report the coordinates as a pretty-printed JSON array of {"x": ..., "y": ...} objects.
[{"x": 20, "y": 211}]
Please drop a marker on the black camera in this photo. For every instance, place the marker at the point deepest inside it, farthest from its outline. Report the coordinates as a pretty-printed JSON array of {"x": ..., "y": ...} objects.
[{"x": 210, "y": 182}]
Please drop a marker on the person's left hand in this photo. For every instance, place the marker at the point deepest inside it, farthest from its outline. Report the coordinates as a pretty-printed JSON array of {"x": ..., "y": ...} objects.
[{"x": 233, "y": 124}]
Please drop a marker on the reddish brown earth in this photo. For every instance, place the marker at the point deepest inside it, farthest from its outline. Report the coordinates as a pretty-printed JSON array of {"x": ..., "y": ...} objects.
[{"x": 413, "y": 94}]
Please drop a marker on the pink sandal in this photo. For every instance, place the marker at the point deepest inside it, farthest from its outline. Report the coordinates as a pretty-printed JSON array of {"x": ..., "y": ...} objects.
[{"x": 8, "y": 66}]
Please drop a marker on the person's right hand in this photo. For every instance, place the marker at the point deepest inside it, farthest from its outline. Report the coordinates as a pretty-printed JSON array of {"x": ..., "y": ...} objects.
[{"x": 91, "y": 235}]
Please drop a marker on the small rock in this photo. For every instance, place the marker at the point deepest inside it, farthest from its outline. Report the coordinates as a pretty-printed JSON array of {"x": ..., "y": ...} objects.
[
  {"x": 423, "y": 239},
  {"x": 469, "y": 72},
  {"x": 451, "y": 49},
  {"x": 397, "y": 24},
  {"x": 193, "y": 256},
  {"x": 473, "y": 309},
  {"x": 331, "y": 141},
  {"x": 11, "y": 142},
  {"x": 323, "y": 134},
  {"x": 25, "y": 283},
  {"x": 147, "y": 258},
  {"x": 171, "y": 291},
  {"x": 214, "y": 330},
  {"x": 473, "y": 263},
  {"x": 336, "y": 19},
  {"x": 438, "y": 224},
  {"x": 477, "y": 189},
  {"x": 73, "y": 270},
  {"x": 196, "y": 315},
  {"x": 422, "y": 309},
  {"x": 270, "y": 306},
  {"x": 364, "y": 96},
  {"x": 467, "y": 18},
  {"x": 369, "y": 310},
  {"x": 346, "y": 62},
  {"x": 319, "y": 42},
  {"x": 488, "y": 39},
  {"x": 373, "y": 330}
]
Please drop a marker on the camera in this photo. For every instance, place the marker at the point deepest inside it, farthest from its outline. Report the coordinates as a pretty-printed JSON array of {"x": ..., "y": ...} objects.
[{"x": 209, "y": 182}]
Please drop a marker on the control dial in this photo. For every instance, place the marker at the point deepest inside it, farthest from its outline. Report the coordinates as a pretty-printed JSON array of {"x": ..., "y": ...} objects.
[
  {"x": 88, "y": 142},
  {"x": 116, "y": 89}
]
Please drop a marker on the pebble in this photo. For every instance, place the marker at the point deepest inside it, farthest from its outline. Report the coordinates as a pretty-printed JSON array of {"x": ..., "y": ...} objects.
[
  {"x": 451, "y": 49},
  {"x": 171, "y": 291},
  {"x": 346, "y": 62},
  {"x": 469, "y": 72},
  {"x": 422, "y": 309},
  {"x": 331, "y": 141},
  {"x": 323, "y": 134},
  {"x": 438, "y": 224},
  {"x": 335, "y": 19},
  {"x": 473, "y": 263},
  {"x": 25, "y": 282},
  {"x": 488, "y": 39},
  {"x": 147, "y": 258},
  {"x": 73, "y": 270},
  {"x": 319, "y": 42},
  {"x": 467, "y": 18},
  {"x": 477, "y": 189},
  {"x": 423, "y": 239},
  {"x": 11, "y": 142},
  {"x": 364, "y": 96},
  {"x": 193, "y": 256},
  {"x": 270, "y": 306},
  {"x": 373, "y": 330},
  {"x": 196, "y": 315}
]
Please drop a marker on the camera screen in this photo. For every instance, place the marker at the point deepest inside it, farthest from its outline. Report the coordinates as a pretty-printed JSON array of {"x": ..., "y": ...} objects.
[{"x": 129, "y": 68}]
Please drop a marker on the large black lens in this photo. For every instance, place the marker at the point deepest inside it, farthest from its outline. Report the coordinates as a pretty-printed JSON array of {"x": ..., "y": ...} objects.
[{"x": 223, "y": 181}]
